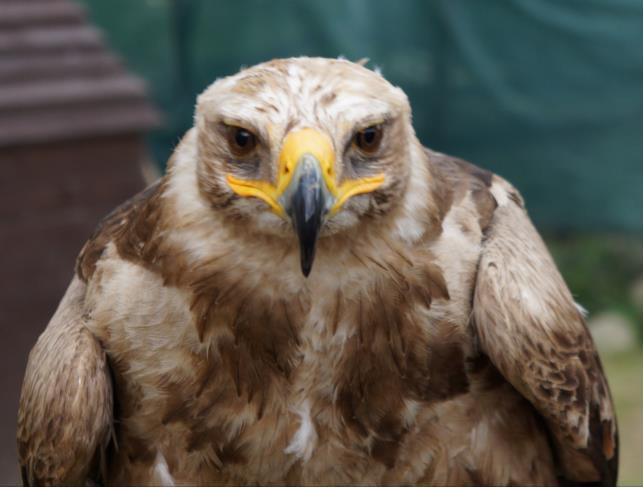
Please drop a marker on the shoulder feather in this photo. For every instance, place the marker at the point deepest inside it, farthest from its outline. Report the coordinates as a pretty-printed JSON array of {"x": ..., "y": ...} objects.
[
  {"x": 529, "y": 326},
  {"x": 65, "y": 413},
  {"x": 129, "y": 226}
]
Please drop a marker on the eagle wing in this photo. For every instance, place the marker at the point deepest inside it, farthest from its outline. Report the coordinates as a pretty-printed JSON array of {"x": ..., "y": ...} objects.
[
  {"x": 529, "y": 326},
  {"x": 65, "y": 413}
]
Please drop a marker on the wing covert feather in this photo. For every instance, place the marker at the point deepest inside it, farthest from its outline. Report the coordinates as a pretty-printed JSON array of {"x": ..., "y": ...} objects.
[
  {"x": 65, "y": 413},
  {"x": 528, "y": 324}
]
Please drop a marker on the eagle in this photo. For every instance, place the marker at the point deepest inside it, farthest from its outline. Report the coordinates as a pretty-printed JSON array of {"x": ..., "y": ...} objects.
[{"x": 311, "y": 296}]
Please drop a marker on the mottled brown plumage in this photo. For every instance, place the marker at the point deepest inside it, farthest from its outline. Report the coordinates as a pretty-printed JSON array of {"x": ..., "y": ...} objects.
[{"x": 433, "y": 343}]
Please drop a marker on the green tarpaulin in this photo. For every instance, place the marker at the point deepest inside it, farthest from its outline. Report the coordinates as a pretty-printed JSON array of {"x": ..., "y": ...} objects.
[{"x": 547, "y": 93}]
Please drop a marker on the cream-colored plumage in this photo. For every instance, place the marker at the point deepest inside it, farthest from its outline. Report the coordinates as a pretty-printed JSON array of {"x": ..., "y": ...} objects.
[{"x": 433, "y": 342}]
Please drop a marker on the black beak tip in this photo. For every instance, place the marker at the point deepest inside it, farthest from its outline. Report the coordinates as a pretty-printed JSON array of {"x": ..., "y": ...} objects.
[
  {"x": 307, "y": 253},
  {"x": 307, "y": 207},
  {"x": 306, "y": 268}
]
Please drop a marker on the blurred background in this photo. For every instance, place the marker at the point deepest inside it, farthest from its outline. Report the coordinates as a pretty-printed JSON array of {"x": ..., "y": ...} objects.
[{"x": 95, "y": 94}]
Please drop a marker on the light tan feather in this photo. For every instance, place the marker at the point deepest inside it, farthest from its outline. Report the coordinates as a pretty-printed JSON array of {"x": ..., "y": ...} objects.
[
  {"x": 65, "y": 415},
  {"x": 529, "y": 326}
]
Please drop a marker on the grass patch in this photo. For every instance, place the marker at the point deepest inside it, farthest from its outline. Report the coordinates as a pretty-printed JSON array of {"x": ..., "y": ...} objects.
[
  {"x": 625, "y": 375},
  {"x": 600, "y": 271}
]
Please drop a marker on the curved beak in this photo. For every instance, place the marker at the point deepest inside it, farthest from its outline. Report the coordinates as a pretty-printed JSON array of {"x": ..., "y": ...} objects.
[
  {"x": 307, "y": 201},
  {"x": 307, "y": 191}
]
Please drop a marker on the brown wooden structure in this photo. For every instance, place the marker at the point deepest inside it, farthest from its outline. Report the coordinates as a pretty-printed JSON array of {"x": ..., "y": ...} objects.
[{"x": 72, "y": 122}]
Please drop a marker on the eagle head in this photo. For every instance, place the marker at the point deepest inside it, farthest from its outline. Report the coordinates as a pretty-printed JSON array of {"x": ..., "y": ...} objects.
[{"x": 304, "y": 148}]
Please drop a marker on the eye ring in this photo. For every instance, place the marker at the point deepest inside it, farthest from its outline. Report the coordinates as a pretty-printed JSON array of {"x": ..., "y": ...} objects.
[
  {"x": 368, "y": 139},
  {"x": 240, "y": 140}
]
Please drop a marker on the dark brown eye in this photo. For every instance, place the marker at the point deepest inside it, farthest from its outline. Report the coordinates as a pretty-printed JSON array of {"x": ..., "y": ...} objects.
[
  {"x": 241, "y": 141},
  {"x": 368, "y": 140}
]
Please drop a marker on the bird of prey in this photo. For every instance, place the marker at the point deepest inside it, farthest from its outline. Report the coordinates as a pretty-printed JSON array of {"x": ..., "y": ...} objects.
[{"x": 310, "y": 296}]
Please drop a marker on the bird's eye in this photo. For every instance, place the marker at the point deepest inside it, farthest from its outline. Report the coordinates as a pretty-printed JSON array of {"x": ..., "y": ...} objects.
[
  {"x": 241, "y": 141},
  {"x": 368, "y": 140}
]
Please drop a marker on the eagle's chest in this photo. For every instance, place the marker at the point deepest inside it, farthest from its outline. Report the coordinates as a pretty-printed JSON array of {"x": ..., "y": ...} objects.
[{"x": 307, "y": 390}]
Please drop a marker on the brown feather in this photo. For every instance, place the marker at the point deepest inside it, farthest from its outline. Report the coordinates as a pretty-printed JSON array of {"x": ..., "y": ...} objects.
[
  {"x": 229, "y": 367},
  {"x": 528, "y": 324},
  {"x": 65, "y": 416}
]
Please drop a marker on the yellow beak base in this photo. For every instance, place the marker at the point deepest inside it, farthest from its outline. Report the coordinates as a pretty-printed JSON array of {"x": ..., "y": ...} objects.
[{"x": 295, "y": 145}]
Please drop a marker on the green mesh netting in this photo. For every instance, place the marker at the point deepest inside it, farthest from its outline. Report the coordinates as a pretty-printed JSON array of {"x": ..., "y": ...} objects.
[{"x": 548, "y": 94}]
